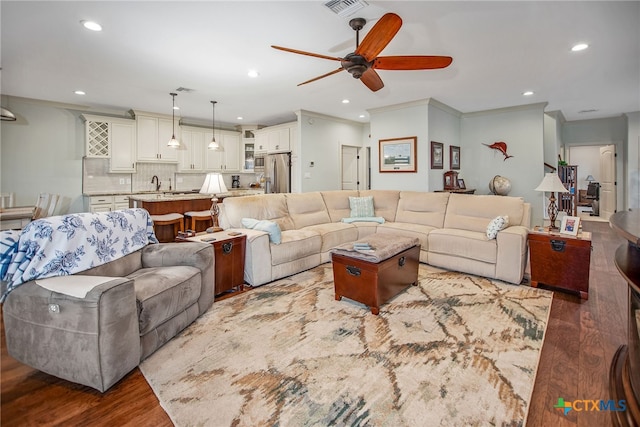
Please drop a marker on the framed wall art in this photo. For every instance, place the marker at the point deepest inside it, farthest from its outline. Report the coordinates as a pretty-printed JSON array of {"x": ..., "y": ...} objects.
[
  {"x": 398, "y": 154},
  {"x": 437, "y": 155},
  {"x": 454, "y": 157}
]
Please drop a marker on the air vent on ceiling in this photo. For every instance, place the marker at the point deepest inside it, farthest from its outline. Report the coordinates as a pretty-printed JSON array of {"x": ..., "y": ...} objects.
[
  {"x": 184, "y": 89},
  {"x": 345, "y": 7}
]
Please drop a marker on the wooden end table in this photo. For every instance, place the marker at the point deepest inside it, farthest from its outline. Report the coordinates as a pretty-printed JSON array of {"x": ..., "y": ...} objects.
[
  {"x": 229, "y": 250},
  {"x": 560, "y": 260}
]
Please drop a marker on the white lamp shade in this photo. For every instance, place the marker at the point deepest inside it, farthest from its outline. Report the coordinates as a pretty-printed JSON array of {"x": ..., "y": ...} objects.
[
  {"x": 590, "y": 178},
  {"x": 214, "y": 145},
  {"x": 213, "y": 184},
  {"x": 551, "y": 183},
  {"x": 173, "y": 142}
]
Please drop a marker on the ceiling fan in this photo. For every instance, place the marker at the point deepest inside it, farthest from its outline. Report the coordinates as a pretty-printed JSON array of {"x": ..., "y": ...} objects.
[{"x": 365, "y": 60}]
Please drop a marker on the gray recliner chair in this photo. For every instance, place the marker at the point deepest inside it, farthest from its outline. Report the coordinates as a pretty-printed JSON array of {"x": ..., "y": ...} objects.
[{"x": 155, "y": 293}]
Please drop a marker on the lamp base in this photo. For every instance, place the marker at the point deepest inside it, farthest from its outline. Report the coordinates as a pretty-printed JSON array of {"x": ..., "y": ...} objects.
[{"x": 213, "y": 229}]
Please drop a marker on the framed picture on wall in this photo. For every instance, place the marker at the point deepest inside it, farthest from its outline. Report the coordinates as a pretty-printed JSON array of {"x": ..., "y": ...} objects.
[
  {"x": 398, "y": 154},
  {"x": 454, "y": 157},
  {"x": 437, "y": 155}
]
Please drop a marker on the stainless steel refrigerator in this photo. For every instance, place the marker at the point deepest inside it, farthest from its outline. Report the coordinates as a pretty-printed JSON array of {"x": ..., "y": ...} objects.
[{"x": 277, "y": 173}]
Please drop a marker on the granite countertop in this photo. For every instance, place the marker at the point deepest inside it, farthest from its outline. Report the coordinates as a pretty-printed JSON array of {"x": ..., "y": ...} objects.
[
  {"x": 176, "y": 194},
  {"x": 159, "y": 197}
]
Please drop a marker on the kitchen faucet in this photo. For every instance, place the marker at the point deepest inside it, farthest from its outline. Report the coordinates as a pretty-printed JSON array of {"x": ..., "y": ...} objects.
[{"x": 157, "y": 180}]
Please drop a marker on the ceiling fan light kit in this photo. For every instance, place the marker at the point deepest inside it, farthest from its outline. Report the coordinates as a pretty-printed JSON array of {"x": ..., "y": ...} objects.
[{"x": 363, "y": 62}]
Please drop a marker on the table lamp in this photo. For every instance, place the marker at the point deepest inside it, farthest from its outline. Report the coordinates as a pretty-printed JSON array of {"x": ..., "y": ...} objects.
[
  {"x": 590, "y": 179},
  {"x": 213, "y": 183},
  {"x": 551, "y": 183}
]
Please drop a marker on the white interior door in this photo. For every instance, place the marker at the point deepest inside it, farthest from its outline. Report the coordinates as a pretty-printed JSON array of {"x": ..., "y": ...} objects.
[
  {"x": 349, "y": 167},
  {"x": 607, "y": 181}
]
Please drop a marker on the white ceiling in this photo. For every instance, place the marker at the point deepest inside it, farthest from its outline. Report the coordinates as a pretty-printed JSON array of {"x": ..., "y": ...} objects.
[{"x": 150, "y": 48}]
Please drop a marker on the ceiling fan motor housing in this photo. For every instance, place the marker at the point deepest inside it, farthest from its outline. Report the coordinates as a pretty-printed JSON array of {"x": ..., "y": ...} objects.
[{"x": 356, "y": 65}]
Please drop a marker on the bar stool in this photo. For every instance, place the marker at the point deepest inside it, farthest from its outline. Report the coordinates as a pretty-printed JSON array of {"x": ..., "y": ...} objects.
[
  {"x": 198, "y": 216},
  {"x": 174, "y": 219}
]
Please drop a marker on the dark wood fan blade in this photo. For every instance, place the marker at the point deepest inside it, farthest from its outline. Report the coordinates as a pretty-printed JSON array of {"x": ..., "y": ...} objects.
[
  {"x": 322, "y": 76},
  {"x": 379, "y": 36},
  {"x": 372, "y": 80},
  {"x": 302, "y": 52},
  {"x": 411, "y": 62}
]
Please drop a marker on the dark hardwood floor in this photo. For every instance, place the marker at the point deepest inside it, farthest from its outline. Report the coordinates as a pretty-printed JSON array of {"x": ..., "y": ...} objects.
[{"x": 581, "y": 339}]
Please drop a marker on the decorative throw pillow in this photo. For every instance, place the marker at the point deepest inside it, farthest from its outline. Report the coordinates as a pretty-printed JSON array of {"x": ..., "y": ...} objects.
[
  {"x": 497, "y": 224},
  {"x": 361, "y": 206},
  {"x": 275, "y": 235}
]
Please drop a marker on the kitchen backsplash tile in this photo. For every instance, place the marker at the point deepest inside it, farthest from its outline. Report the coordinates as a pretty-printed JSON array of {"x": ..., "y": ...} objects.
[
  {"x": 97, "y": 179},
  {"x": 146, "y": 171}
]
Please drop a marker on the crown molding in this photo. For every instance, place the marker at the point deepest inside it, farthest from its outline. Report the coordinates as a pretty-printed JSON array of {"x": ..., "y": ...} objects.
[{"x": 537, "y": 106}]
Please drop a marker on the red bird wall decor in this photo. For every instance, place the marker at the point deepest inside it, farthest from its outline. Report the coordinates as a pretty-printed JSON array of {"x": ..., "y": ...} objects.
[{"x": 501, "y": 147}]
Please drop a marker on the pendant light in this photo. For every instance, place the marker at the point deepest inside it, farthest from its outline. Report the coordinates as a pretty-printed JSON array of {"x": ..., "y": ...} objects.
[
  {"x": 213, "y": 145},
  {"x": 173, "y": 142}
]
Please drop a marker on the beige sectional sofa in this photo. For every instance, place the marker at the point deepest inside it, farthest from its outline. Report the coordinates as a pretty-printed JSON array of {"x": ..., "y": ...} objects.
[{"x": 451, "y": 229}]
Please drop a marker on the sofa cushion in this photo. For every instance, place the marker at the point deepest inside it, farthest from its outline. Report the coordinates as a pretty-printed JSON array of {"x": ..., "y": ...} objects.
[
  {"x": 275, "y": 234},
  {"x": 262, "y": 206},
  {"x": 473, "y": 213},
  {"x": 417, "y": 207},
  {"x": 162, "y": 292},
  {"x": 408, "y": 230},
  {"x": 334, "y": 234},
  {"x": 307, "y": 209},
  {"x": 337, "y": 203},
  {"x": 464, "y": 244},
  {"x": 296, "y": 244},
  {"x": 385, "y": 202},
  {"x": 361, "y": 207}
]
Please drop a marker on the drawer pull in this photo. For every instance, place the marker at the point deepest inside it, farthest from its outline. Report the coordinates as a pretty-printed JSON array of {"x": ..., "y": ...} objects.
[
  {"x": 401, "y": 261},
  {"x": 227, "y": 247},
  {"x": 353, "y": 270},
  {"x": 557, "y": 245}
]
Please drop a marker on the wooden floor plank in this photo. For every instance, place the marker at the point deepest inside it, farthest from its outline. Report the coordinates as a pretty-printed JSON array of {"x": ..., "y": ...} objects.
[{"x": 580, "y": 341}]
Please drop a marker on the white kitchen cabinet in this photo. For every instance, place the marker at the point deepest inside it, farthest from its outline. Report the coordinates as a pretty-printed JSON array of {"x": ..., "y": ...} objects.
[
  {"x": 191, "y": 151},
  {"x": 227, "y": 160},
  {"x": 274, "y": 139},
  {"x": 112, "y": 138},
  {"x": 108, "y": 203},
  {"x": 153, "y": 134}
]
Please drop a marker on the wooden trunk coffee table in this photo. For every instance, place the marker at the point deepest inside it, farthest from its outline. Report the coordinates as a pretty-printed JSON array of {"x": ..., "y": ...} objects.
[{"x": 374, "y": 283}]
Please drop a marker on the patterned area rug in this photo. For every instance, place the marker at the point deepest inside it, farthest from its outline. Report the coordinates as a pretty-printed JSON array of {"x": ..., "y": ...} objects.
[{"x": 455, "y": 350}]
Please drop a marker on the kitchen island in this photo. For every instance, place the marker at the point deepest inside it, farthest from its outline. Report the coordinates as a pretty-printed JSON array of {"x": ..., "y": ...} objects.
[{"x": 164, "y": 203}]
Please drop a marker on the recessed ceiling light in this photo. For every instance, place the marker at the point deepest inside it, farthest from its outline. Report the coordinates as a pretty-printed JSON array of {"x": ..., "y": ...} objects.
[
  {"x": 79, "y": 92},
  {"x": 239, "y": 118},
  {"x": 345, "y": 101},
  {"x": 253, "y": 74},
  {"x": 90, "y": 25},
  {"x": 578, "y": 47},
  {"x": 362, "y": 116},
  {"x": 175, "y": 107},
  {"x": 527, "y": 93}
]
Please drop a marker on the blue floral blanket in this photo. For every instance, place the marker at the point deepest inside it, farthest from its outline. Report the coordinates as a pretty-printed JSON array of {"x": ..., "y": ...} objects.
[{"x": 68, "y": 244}]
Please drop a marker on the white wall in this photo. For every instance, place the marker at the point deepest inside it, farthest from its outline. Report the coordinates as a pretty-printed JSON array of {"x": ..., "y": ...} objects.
[
  {"x": 633, "y": 161},
  {"x": 42, "y": 152},
  {"x": 522, "y": 128},
  {"x": 552, "y": 137},
  {"x": 444, "y": 127},
  {"x": 321, "y": 138},
  {"x": 398, "y": 121}
]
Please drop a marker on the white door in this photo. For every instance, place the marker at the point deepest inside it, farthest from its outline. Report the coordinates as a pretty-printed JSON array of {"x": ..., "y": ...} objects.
[
  {"x": 607, "y": 181},
  {"x": 349, "y": 168}
]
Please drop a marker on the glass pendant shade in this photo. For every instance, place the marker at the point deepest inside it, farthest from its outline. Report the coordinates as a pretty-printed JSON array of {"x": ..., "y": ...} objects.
[
  {"x": 214, "y": 145},
  {"x": 173, "y": 142}
]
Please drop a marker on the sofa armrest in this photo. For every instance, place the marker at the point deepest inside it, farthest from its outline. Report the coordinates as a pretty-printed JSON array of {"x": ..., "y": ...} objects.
[
  {"x": 193, "y": 254},
  {"x": 257, "y": 262},
  {"x": 93, "y": 341},
  {"x": 512, "y": 253}
]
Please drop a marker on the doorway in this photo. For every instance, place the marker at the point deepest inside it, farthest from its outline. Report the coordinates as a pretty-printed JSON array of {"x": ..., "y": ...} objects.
[
  {"x": 598, "y": 163},
  {"x": 350, "y": 169}
]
